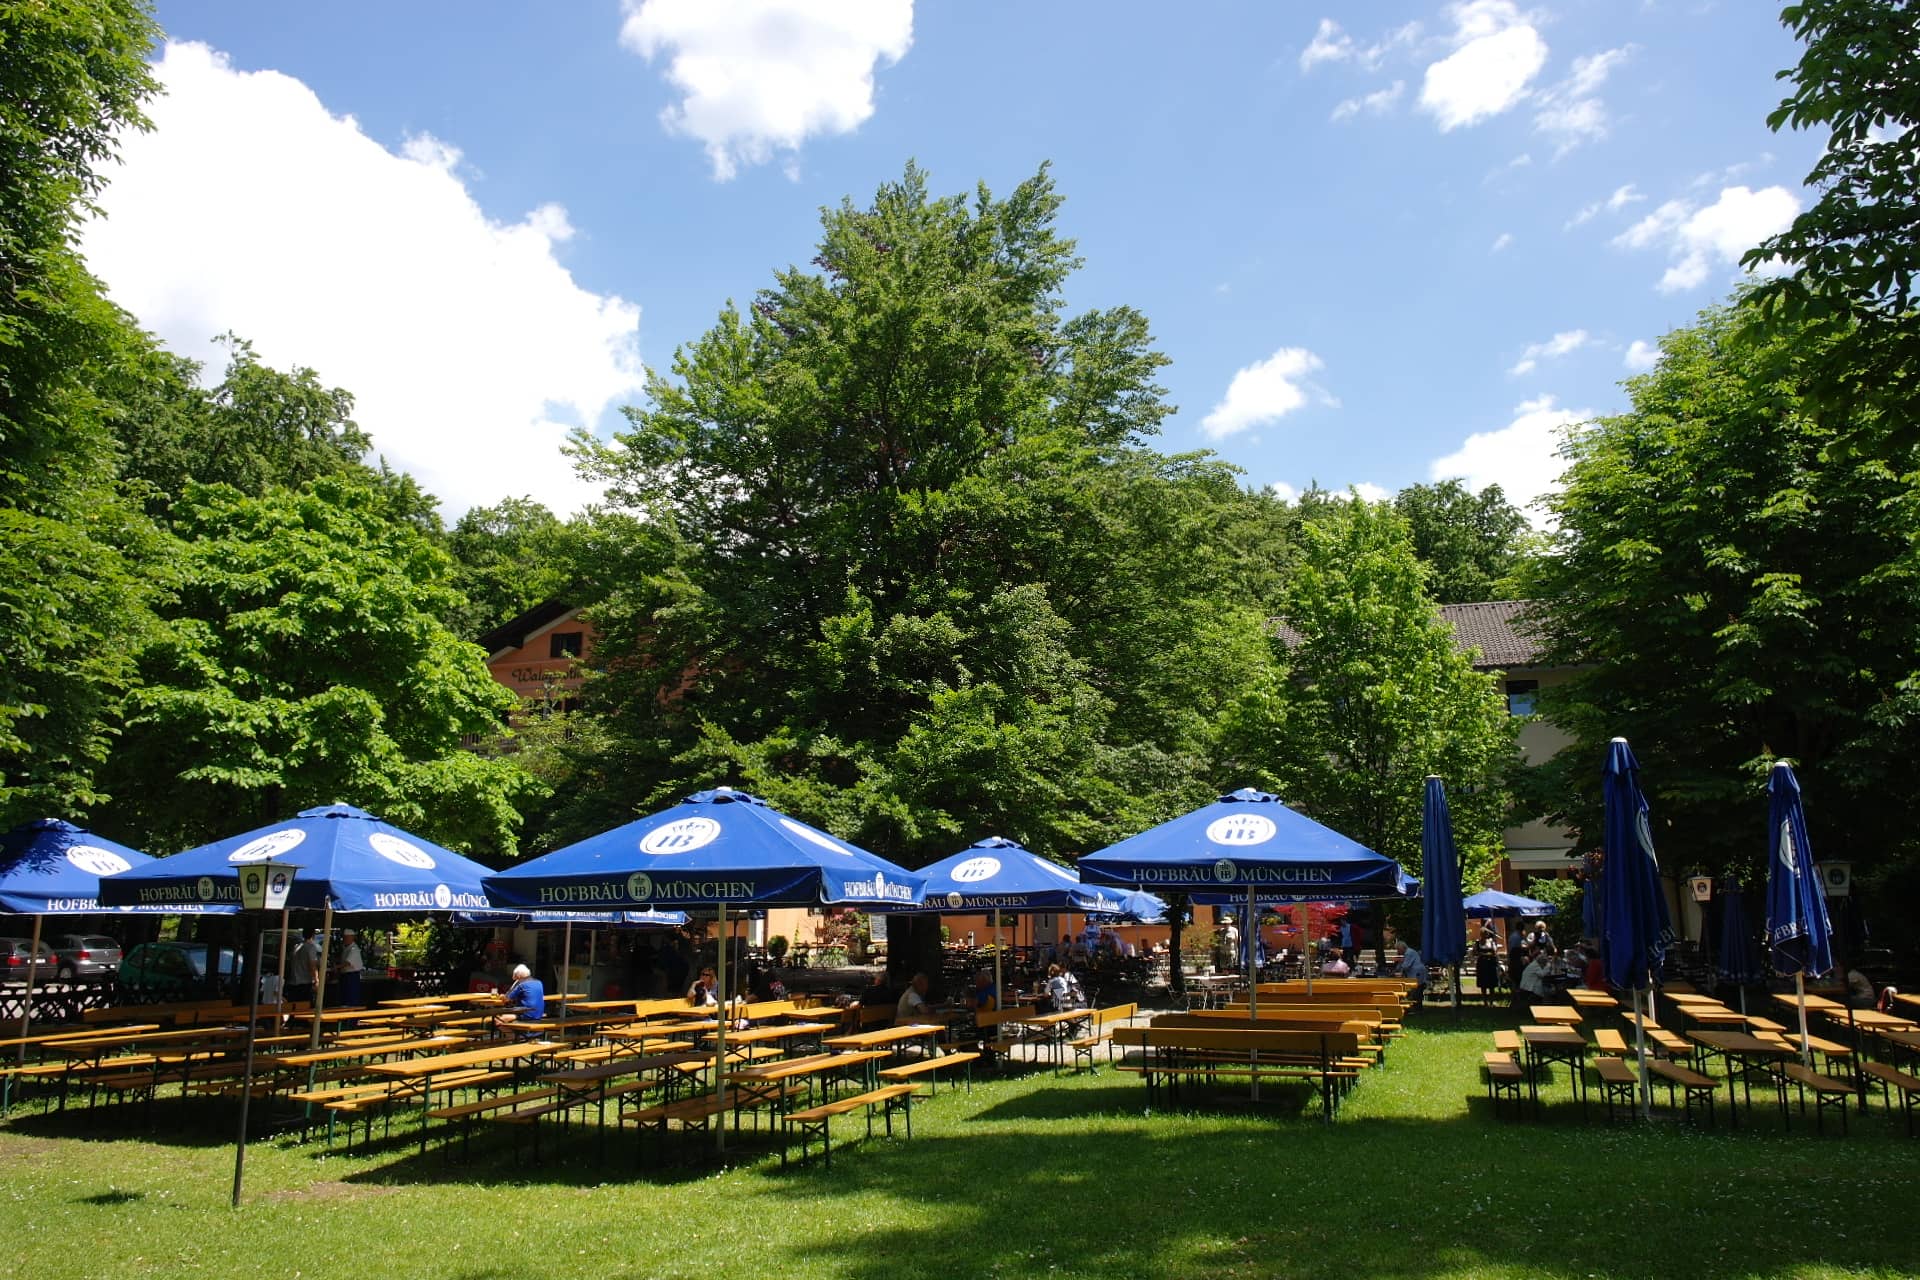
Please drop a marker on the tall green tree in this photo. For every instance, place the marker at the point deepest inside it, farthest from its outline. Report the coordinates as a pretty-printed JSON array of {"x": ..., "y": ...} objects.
[
  {"x": 303, "y": 661},
  {"x": 73, "y": 75},
  {"x": 1378, "y": 697},
  {"x": 1736, "y": 579},
  {"x": 1853, "y": 253},
  {"x": 921, "y": 578},
  {"x": 507, "y": 558},
  {"x": 1470, "y": 542}
]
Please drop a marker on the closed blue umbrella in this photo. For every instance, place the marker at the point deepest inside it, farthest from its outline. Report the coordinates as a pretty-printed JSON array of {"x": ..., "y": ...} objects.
[
  {"x": 1443, "y": 930},
  {"x": 1593, "y": 914},
  {"x": 1738, "y": 962},
  {"x": 1638, "y": 929},
  {"x": 716, "y": 848},
  {"x": 1491, "y": 904},
  {"x": 1799, "y": 933}
]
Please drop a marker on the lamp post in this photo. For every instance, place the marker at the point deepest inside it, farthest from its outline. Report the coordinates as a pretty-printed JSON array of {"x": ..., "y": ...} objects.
[{"x": 264, "y": 887}]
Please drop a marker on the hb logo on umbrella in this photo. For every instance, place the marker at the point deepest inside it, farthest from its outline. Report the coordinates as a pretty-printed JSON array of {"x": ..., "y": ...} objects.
[{"x": 640, "y": 887}]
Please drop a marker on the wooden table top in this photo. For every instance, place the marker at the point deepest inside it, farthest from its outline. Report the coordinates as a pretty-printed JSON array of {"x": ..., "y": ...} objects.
[
  {"x": 795, "y": 1068},
  {"x": 1740, "y": 1042},
  {"x": 615, "y": 1068},
  {"x": 1558, "y": 1015},
  {"x": 1874, "y": 1020},
  {"x": 786, "y": 1031},
  {"x": 884, "y": 1035},
  {"x": 1547, "y": 1037},
  {"x": 434, "y": 1064},
  {"x": 1714, "y": 1015},
  {"x": 368, "y": 1049},
  {"x": 1820, "y": 1003},
  {"x": 1688, "y": 997}
]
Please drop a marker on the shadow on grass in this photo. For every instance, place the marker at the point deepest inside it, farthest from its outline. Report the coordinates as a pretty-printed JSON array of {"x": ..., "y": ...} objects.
[{"x": 112, "y": 1197}]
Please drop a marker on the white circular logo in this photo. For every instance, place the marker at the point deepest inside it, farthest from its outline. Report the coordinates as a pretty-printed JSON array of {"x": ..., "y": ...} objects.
[
  {"x": 976, "y": 869},
  {"x": 442, "y": 896},
  {"x": 1789, "y": 856},
  {"x": 814, "y": 837},
  {"x": 95, "y": 860},
  {"x": 683, "y": 835},
  {"x": 394, "y": 849},
  {"x": 206, "y": 888},
  {"x": 267, "y": 846},
  {"x": 956, "y": 899},
  {"x": 1223, "y": 870},
  {"x": 1239, "y": 829},
  {"x": 640, "y": 885},
  {"x": 879, "y": 885}
]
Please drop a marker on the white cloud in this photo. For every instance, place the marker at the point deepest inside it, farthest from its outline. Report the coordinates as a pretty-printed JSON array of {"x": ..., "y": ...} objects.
[
  {"x": 1521, "y": 457},
  {"x": 1265, "y": 392},
  {"x": 1377, "y": 103},
  {"x": 1697, "y": 237},
  {"x": 1283, "y": 491},
  {"x": 1497, "y": 54},
  {"x": 1642, "y": 356},
  {"x": 1571, "y": 112},
  {"x": 464, "y": 340},
  {"x": 1329, "y": 44},
  {"x": 1501, "y": 241},
  {"x": 1368, "y": 492},
  {"x": 760, "y": 76},
  {"x": 1560, "y": 344}
]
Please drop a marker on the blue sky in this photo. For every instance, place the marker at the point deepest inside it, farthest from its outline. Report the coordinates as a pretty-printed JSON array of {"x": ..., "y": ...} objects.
[{"x": 1380, "y": 243}]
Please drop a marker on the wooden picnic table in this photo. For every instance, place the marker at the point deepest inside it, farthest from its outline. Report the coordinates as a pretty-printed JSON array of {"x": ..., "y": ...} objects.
[
  {"x": 364, "y": 1049},
  {"x": 1557, "y": 1015},
  {"x": 1815, "y": 1004},
  {"x": 419, "y": 1072},
  {"x": 1689, "y": 997},
  {"x": 1555, "y": 1043},
  {"x": 765, "y": 1081},
  {"x": 1585, "y": 998},
  {"x": 1745, "y": 1056},
  {"x": 578, "y": 1086},
  {"x": 1714, "y": 1015},
  {"x": 889, "y": 1038},
  {"x": 775, "y": 1033},
  {"x": 70, "y": 1034},
  {"x": 1874, "y": 1020}
]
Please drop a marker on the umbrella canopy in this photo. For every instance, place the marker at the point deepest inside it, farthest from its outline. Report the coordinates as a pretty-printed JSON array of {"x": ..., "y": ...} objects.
[
  {"x": 719, "y": 846},
  {"x": 1739, "y": 961},
  {"x": 996, "y": 874},
  {"x": 1137, "y": 906},
  {"x": 1593, "y": 915},
  {"x": 1491, "y": 904},
  {"x": 1247, "y": 840},
  {"x": 1443, "y": 931},
  {"x": 349, "y": 860},
  {"x": 1798, "y": 930},
  {"x": 1638, "y": 928},
  {"x": 50, "y": 867}
]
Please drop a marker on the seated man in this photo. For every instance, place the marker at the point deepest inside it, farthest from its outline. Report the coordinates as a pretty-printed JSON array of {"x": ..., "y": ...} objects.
[
  {"x": 526, "y": 999},
  {"x": 1336, "y": 965},
  {"x": 913, "y": 1002}
]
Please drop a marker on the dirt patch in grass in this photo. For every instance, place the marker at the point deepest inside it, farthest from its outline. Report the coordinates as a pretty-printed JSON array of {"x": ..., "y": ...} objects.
[
  {"x": 328, "y": 1193},
  {"x": 14, "y": 1146}
]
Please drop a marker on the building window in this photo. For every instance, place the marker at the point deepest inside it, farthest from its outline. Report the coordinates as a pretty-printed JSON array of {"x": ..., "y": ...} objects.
[
  {"x": 564, "y": 644},
  {"x": 1521, "y": 696}
]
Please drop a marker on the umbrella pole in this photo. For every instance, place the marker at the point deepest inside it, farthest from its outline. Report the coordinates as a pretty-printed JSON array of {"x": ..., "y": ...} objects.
[
  {"x": 1253, "y": 991},
  {"x": 33, "y": 971},
  {"x": 566, "y": 961},
  {"x": 1306, "y": 946},
  {"x": 320, "y": 980},
  {"x": 1454, "y": 987},
  {"x": 1800, "y": 998},
  {"x": 720, "y": 1038},
  {"x": 999, "y": 992},
  {"x": 281, "y": 972},
  {"x": 1640, "y": 1047},
  {"x": 246, "y": 1079}
]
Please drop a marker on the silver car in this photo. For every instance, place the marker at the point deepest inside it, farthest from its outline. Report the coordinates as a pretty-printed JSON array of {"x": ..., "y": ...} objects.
[
  {"x": 83, "y": 956},
  {"x": 17, "y": 962}
]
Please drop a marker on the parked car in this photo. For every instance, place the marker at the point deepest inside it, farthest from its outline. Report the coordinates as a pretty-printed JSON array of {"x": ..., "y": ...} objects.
[
  {"x": 17, "y": 965},
  {"x": 174, "y": 969},
  {"x": 86, "y": 955}
]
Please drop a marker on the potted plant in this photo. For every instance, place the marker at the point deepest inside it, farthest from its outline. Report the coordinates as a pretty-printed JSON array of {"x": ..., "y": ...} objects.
[{"x": 777, "y": 948}]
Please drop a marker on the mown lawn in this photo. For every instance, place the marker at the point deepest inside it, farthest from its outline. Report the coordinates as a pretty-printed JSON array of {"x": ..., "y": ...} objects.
[{"x": 1026, "y": 1176}]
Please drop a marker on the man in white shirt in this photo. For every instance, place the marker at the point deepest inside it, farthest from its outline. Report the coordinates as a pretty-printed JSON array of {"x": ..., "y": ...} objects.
[
  {"x": 913, "y": 1002},
  {"x": 351, "y": 967}
]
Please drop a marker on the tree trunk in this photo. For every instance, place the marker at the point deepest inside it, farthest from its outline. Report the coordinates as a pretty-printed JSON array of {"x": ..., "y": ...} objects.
[{"x": 1176, "y": 926}]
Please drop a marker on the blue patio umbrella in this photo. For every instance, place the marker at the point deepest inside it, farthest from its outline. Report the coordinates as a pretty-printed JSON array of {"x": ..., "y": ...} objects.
[
  {"x": 1799, "y": 933},
  {"x": 1593, "y": 915},
  {"x": 1142, "y": 907},
  {"x": 349, "y": 862},
  {"x": 50, "y": 868},
  {"x": 1252, "y": 842},
  {"x": 1443, "y": 930},
  {"x": 1638, "y": 927},
  {"x": 717, "y": 849},
  {"x": 1738, "y": 962},
  {"x": 997, "y": 875},
  {"x": 1491, "y": 904}
]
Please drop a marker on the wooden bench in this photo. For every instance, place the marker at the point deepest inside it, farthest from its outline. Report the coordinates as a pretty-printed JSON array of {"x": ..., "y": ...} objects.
[
  {"x": 816, "y": 1121},
  {"x": 1608, "y": 1040},
  {"x": 1618, "y": 1081},
  {"x": 1506, "y": 1041},
  {"x": 1889, "y": 1078},
  {"x": 930, "y": 1068},
  {"x": 1827, "y": 1093},
  {"x": 1699, "y": 1089},
  {"x": 1099, "y": 1024},
  {"x": 1504, "y": 1078}
]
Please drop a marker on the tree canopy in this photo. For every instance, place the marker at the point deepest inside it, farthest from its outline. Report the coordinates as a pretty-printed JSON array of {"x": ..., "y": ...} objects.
[{"x": 1472, "y": 543}]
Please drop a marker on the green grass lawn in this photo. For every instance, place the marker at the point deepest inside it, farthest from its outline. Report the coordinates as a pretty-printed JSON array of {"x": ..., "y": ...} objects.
[{"x": 1031, "y": 1175}]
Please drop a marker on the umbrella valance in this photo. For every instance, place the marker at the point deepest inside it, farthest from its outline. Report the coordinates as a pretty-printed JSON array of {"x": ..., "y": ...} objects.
[
  {"x": 718, "y": 846},
  {"x": 349, "y": 860},
  {"x": 50, "y": 867}
]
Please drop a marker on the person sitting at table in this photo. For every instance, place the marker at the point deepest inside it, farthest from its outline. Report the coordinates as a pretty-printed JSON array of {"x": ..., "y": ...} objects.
[
  {"x": 1535, "y": 979},
  {"x": 1594, "y": 975},
  {"x": 1860, "y": 993},
  {"x": 1336, "y": 965},
  {"x": 705, "y": 992},
  {"x": 526, "y": 998},
  {"x": 912, "y": 1006},
  {"x": 984, "y": 998}
]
